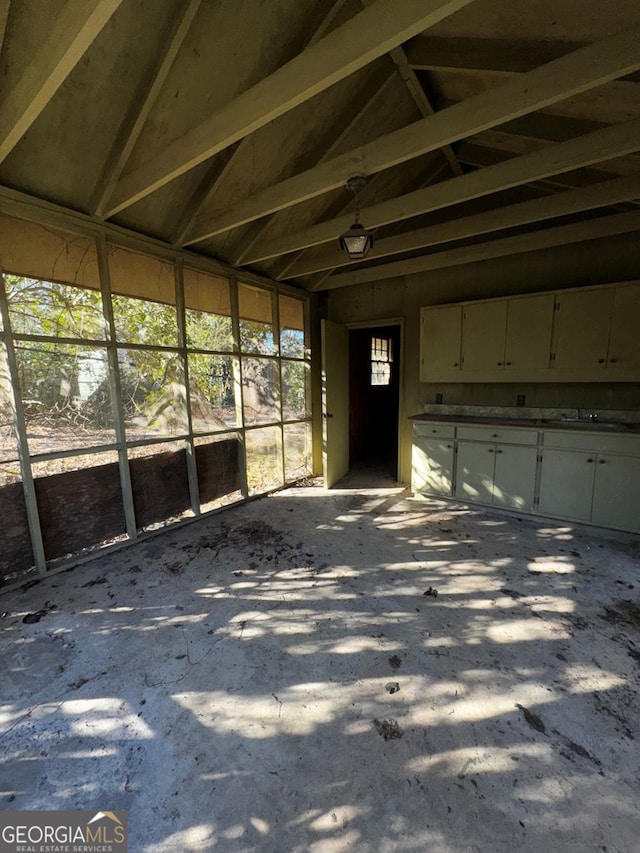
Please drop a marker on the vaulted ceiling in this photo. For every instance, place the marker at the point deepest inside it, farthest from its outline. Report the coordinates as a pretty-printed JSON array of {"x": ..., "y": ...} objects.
[{"x": 229, "y": 127}]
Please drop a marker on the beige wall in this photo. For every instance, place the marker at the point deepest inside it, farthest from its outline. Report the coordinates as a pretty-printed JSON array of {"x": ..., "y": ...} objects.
[{"x": 598, "y": 262}]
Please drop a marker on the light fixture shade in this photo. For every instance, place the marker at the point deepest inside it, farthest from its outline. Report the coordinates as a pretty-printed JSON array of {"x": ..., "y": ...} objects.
[{"x": 356, "y": 242}]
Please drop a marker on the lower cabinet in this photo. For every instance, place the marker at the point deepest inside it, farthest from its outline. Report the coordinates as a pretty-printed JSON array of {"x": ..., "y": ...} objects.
[
  {"x": 616, "y": 493},
  {"x": 591, "y": 477},
  {"x": 600, "y": 488},
  {"x": 566, "y": 484},
  {"x": 432, "y": 466},
  {"x": 501, "y": 475}
]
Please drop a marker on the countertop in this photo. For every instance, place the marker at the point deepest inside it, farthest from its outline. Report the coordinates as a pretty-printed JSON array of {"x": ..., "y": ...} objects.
[{"x": 533, "y": 423}]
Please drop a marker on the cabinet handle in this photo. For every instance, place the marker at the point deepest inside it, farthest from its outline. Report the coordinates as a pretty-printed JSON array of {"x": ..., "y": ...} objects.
[
  {"x": 498, "y": 451},
  {"x": 499, "y": 364},
  {"x": 495, "y": 435},
  {"x": 613, "y": 361},
  {"x": 602, "y": 461},
  {"x": 508, "y": 363},
  {"x": 601, "y": 361},
  {"x": 449, "y": 447},
  {"x": 434, "y": 430},
  {"x": 456, "y": 364},
  {"x": 490, "y": 450},
  {"x": 589, "y": 460}
]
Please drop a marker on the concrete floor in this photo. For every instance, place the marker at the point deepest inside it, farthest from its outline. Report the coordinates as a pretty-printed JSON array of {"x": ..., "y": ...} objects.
[{"x": 226, "y": 683}]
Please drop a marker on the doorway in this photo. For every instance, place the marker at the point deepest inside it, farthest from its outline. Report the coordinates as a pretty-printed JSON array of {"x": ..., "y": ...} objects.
[{"x": 374, "y": 399}]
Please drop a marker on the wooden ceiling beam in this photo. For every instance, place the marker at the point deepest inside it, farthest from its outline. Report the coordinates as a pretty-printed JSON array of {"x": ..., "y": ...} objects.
[
  {"x": 437, "y": 167},
  {"x": 134, "y": 122},
  {"x": 504, "y": 56},
  {"x": 595, "y": 147},
  {"x": 417, "y": 92},
  {"x": 72, "y": 32},
  {"x": 4, "y": 14},
  {"x": 537, "y": 210},
  {"x": 215, "y": 175},
  {"x": 581, "y": 176},
  {"x": 368, "y": 35},
  {"x": 562, "y": 78},
  {"x": 379, "y": 93},
  {"x": 515, "y": 144},
  {"x": 590, "y": 229}
]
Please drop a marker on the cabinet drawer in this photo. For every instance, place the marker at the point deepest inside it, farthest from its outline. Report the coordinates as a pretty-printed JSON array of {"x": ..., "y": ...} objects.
[
  {"x": 498, "y": 434},
  {"x": 433, "y": 430},
  {"x": 597, "y": 442}
]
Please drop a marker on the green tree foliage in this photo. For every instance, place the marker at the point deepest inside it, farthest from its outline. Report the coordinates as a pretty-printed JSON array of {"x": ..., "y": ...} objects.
[{"x": 64, "y": 371}]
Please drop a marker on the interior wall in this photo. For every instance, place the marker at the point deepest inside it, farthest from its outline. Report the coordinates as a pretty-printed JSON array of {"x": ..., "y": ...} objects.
[{"x": 598, "y": 262}]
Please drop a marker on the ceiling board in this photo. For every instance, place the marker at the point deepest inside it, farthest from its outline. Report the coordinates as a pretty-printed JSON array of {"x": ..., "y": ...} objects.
[{"x": 456, "y": 125}]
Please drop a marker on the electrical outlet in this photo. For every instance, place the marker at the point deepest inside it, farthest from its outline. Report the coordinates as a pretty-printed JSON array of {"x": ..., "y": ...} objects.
[
  {"x": 521, "y": 400},
  {"x": 439, "y": 398}
]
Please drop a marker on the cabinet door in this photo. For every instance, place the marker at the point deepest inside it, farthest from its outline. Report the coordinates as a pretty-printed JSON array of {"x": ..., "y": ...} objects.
[
  {"x": 616, "y": 494},
  {"x": 432, "y": 466},
  {"x": 529, "y": 325},
  {"x": 474, "y": 471},
  {"x": 515, "y": 477},
  {"x": 624, "y": 341},
  {"x": 566, "y": 484},
  {"x": 484, "y": 327},
  {"x": 581, "y": 329},
  {"x": 440, "y": 337}
]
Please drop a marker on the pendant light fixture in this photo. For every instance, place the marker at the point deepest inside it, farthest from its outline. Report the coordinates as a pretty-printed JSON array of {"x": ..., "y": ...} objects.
[{"x": 357, "y": 241}]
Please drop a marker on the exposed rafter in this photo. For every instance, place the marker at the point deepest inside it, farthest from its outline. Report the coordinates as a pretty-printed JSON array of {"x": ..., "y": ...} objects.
[
  {"x": 134, "y": 122},
  {"x": 520, "y": 145},
  {"x": 576, "y": 153},
  {"x": 4, "y": 14},
  {"x": 212, "y": 180},
  {"x": 524, "y": 213},
  {"x": 591, "y": 229},
  {"x": 318, "y": 278},
  {"x": 437, "y": 167},
  {"x": 580, "y": 71},
  {"x": 430, "y": 53},
  {"x": 73, "y": 30},
  {"x": 370, "y": 34},
  {"x": 371, "y": 104},
  {"x": 418, "y": 94}
]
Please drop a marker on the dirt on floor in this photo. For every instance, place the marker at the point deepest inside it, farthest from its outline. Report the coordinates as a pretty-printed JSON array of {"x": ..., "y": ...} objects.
[{"x": 279, "y": 678}]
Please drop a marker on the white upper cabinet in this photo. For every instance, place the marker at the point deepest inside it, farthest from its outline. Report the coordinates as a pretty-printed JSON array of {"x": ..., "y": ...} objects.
[
  {"x": 580, "y": 335},
  {"x": 529, "y": 328},
  {"x": 483, "y": 334},
  {"x": 624, "y": 338},
  {"x": 440, "y": 340},
  {"x": 581, "y": 330}
]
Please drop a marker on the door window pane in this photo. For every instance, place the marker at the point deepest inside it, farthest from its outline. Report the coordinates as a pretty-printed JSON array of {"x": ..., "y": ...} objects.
[{"x": 381, "y": 361}]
